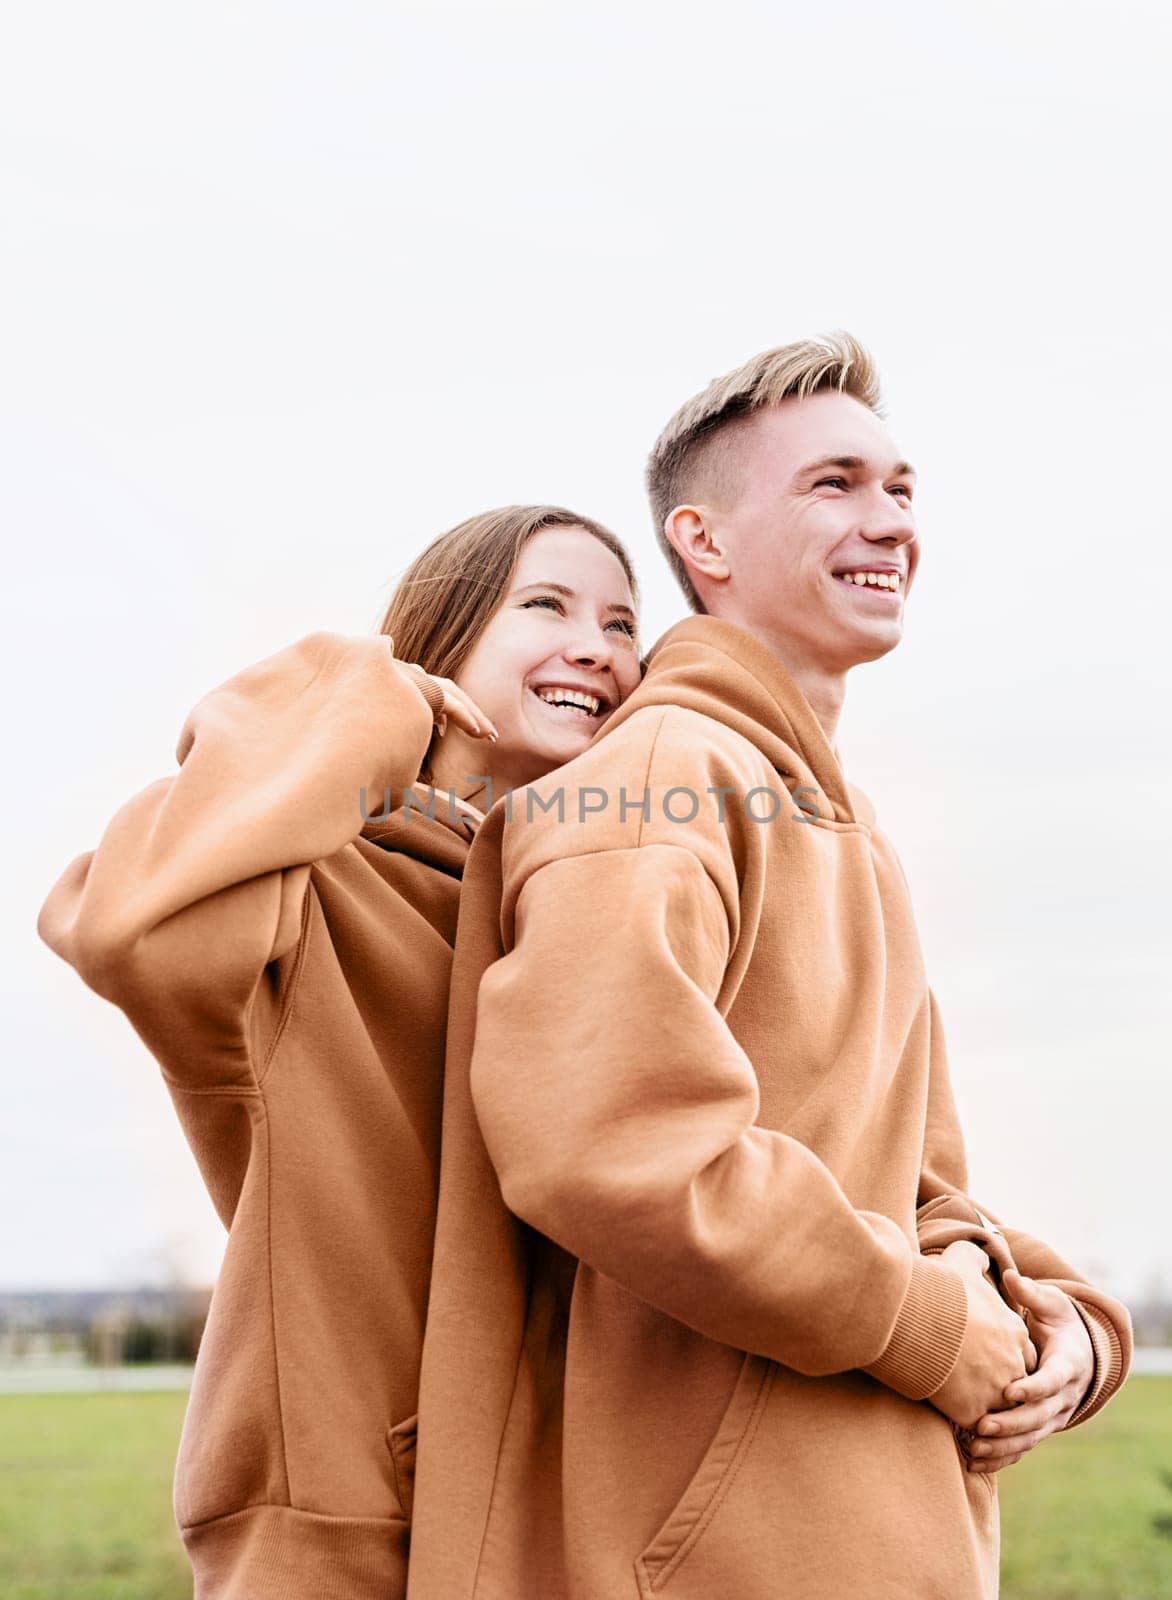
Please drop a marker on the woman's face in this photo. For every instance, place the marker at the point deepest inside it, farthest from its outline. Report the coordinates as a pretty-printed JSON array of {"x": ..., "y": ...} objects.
[{"x": 564, "y": 633}]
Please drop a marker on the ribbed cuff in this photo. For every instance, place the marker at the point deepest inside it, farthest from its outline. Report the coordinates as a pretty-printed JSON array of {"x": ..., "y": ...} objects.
[
  {"x": 926, "y": 1340},
  {"x": 1108, "y": 1362},
  {"x": 429, "y": 689},
  {"x": 278, "y": 1553}
]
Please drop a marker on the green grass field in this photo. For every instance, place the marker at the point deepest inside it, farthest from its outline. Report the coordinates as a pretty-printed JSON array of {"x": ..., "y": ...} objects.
[
  {"x": 85, "y": 1502},
  {"x": 1089, "y": 1517},
  {"x": 85, "y": 1497}
]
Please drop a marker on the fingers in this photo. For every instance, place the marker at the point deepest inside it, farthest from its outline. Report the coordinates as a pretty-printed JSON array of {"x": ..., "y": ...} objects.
[
  {"x": 459, "y": 706},
  {"x": 1031, "y": 1356},
  {"x": 1050, "y": 1378},
  {"x": 979, "y": 1465},
  {"x": 464, "y": 711},
  {"x": 1000, "y": 1451},
  {"x": 1021, "y": 1419},
  {"x": 1041, "y": 1300}
]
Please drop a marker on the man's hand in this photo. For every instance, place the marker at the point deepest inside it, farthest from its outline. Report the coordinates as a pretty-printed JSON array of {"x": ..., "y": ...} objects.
[
  {"x": 1043, "y": 1403},
  {"x": 996, "y": 1349}
]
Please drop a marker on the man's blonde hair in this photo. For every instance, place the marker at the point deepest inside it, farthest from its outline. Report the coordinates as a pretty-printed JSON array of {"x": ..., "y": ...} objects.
[{"x": 692, "y": 457}]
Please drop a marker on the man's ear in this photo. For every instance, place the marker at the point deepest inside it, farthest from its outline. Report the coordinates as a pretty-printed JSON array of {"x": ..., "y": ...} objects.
[{"x": 689, "y": 531}]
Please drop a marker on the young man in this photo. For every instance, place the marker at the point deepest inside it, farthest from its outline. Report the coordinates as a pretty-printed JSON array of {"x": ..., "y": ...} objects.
[{"x": 710, "y": 1314}]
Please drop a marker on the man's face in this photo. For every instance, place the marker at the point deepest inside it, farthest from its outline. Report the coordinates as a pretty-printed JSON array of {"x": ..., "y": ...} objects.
[{"x": 818, "y": 491}]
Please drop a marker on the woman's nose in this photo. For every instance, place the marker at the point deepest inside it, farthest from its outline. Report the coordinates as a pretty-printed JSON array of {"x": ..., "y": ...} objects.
[{"x": 597, "y": 651}]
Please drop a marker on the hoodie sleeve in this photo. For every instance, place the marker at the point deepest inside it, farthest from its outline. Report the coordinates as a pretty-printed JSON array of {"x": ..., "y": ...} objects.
[
  {"x": 199, "y": 882},
  {"x": 619, "y": 1112},
  {"x": 945, "y": 1212}
]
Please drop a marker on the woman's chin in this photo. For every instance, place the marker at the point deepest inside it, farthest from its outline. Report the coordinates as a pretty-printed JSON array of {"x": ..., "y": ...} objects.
[
  {"x": 557, "y": 731},
  {"x": 573, "y": 744},
  {"x": 561, "y": 745},
  {"x": 522, "y": 761}
]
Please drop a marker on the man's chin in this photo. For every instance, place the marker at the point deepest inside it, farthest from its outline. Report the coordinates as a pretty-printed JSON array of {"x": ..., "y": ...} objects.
[{"x": 871, "y": 645}]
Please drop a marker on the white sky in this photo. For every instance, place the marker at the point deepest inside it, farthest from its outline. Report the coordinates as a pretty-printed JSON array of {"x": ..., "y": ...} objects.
[{"x": 286, "y": 289}]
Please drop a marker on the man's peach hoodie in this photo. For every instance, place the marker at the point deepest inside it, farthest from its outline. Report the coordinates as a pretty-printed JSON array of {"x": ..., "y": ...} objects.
[{"x": 699, "y": 1146}]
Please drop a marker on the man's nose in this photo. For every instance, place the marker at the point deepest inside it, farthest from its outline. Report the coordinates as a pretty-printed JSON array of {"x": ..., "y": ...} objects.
[{"x": 890, "y": 520}]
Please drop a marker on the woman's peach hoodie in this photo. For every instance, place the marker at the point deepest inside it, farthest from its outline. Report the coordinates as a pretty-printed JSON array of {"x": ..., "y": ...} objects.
[
  {"x": 699, "y": 1149},
  {"x": 288, "y": 967}
]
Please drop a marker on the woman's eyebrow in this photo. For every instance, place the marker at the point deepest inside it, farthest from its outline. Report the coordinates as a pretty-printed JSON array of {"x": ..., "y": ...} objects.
[{"x": 569, "y": 594}]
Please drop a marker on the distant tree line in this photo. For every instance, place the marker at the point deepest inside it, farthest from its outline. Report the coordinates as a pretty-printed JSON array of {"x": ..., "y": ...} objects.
[
  {"x": 139, "y": 1326},
  {"x": 104, "y": 1327},
  {"x": 132, "y": 1339}
]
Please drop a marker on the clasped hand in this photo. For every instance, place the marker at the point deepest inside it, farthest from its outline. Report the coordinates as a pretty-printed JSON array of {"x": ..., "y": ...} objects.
[{"x": 1013, "y": 1386}]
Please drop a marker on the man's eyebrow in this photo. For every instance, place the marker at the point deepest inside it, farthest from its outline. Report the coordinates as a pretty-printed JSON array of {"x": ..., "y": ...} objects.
[
  {"x": 902, "y": 469},
  {"x": 569, "y": 594}
]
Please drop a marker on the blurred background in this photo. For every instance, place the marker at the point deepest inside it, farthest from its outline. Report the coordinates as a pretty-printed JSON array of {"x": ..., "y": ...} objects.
[{"x": 289, "y": 289}]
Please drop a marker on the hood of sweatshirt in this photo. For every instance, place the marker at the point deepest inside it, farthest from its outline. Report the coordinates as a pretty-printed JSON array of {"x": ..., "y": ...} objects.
[
  {"x": 713, "y": 667},
  {"x": 435, "y": 826}
]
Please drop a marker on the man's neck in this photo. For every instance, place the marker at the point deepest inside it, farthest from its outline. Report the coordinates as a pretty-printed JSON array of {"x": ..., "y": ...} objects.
[{"x": 823, "y": 687}]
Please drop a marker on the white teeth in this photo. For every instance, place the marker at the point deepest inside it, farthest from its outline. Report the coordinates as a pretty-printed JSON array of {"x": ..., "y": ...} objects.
[
  {"x": 571, "y": 697},
  {"x": 876, "y": 580}
]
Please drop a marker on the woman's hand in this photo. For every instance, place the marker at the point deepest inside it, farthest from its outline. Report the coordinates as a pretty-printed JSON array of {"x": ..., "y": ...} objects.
[
  {"x": 447, "y": 699},
  {"x": 1044, "y": 1402}
]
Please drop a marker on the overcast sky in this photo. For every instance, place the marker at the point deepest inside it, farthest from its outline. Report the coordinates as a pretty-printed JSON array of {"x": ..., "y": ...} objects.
[{"x": 287, "y": 289}]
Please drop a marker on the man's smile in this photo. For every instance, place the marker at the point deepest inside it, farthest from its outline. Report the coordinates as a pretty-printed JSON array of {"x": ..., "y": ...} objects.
[{"x": 880, "y": 582}]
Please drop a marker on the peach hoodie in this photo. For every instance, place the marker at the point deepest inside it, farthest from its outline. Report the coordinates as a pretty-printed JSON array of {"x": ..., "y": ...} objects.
[
  {"x": 691, "y": 1359},
  {"x": 289, "y": 967}
]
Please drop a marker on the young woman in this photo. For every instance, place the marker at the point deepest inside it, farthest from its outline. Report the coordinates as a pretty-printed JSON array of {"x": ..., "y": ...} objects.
[{"x": 288, "y": 966}]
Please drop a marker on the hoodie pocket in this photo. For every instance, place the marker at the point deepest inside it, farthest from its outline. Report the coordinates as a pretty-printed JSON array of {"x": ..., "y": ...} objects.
[
  {"x": 701, "y": 1500},
  {"x": 962, "y": 1438},
  {"x": 401, "y": 1444}
]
